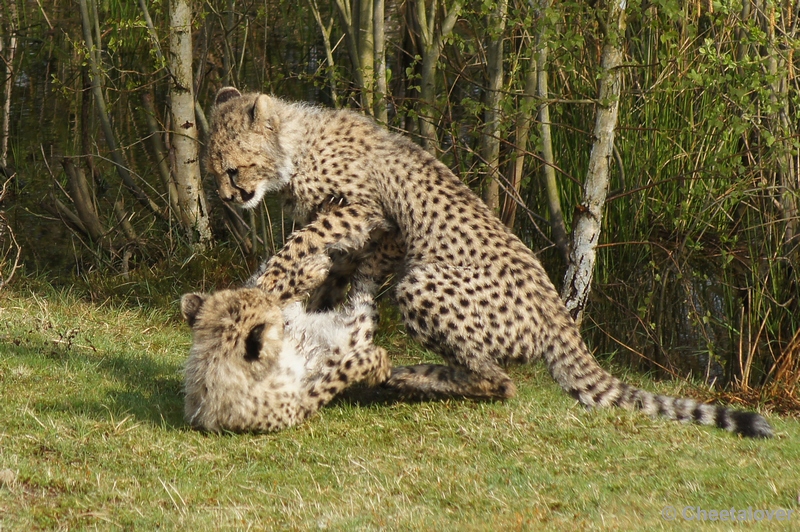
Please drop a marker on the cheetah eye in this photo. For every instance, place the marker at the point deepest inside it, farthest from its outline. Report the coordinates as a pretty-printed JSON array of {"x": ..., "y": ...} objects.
[
  {"x": 233, "y": 173},
  {"x": 252, "y": 344}
]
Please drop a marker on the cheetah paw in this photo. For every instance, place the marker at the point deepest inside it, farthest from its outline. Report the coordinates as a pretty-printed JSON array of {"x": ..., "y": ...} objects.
[
  {"x": 312, "y": 271},
  {"x": 383, "y": 370}
]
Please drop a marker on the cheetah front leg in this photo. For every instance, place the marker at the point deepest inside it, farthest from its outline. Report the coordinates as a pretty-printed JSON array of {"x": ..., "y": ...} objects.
[
  {"x": 347, "y": 228},
  {"x": 379, "y": 259}
]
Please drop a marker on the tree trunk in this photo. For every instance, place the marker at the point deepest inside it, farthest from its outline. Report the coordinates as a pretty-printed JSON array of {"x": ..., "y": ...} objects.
[
  {"x": 11, "y": 27},
  {"x": 778, "y": 121},
  {"x": 161, "y": 157},
  {"x": 379, "y": 41},
  {"x": 325, "y": 30},
  {"x": 782, "y": 127},
  {"x": 366, "y": 52},
  {"x": 536, "y": 87},
  {"x": 490, "y": 139},
  {"x": 151, "y": 30},
  {"x": 432, "y": 44},
  {"x": 522, "y": 127},
  {"x": 557, "y": 226},
  {"x": 586, "y": 233},
  {"x": 82, "y": 200},
  {"x": 9, "y": 244},
  {"x": 105, "y": 122},
  {"x": 184, "y": 135},
  {"x": 87, "y": 126},
  {"x": 357, "y": 21}
]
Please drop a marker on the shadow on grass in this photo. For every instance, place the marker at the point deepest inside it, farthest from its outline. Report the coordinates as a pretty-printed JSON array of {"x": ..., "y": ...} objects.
[
  {"x": 361, "y": 395},
  {"x": 150, "y": 390}
]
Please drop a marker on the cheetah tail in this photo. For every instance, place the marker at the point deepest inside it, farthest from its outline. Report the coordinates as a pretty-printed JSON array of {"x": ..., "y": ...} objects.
[{"x": 584, "y": 379}]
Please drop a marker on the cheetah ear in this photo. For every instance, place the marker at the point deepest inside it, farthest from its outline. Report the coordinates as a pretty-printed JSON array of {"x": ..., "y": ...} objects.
[
  {"x": 253, "y": 343},
  {"x": 262, "y": 114},
  {"x": 191, "y": 305},
  {"x": 225, "y": 94}
]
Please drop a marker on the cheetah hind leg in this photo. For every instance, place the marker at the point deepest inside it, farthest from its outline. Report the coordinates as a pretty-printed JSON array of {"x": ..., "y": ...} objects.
[
  {"x": 363, "y": 362},
  {"x": 428, "y": 382},
  {"x": 363, "y": 317},
  {"x": 422, "y": 382}
]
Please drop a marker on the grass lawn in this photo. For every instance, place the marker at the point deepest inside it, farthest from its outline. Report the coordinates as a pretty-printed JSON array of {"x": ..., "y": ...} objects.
[{"x": 92, "y": 436}]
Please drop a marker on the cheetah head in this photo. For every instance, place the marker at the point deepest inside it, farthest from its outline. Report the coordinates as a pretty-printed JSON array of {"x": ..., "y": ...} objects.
[
  {"x": 237, "y": 337},
  {"x": 244, "y": 152}
]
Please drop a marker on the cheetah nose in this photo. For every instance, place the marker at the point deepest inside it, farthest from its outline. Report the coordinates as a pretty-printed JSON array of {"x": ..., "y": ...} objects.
[
  {"x": 246, "y": 196},
  {"x": 225, "y": 196}
]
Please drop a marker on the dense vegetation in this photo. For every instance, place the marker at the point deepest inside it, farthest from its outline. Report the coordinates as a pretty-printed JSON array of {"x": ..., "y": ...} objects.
[{"x": 697, "y": 266}]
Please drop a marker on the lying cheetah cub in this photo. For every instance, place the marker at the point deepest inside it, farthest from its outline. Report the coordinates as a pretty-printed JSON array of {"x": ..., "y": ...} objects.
[
  {"x": 467, "y": 287},
  {"x": 255, "y": 367}
]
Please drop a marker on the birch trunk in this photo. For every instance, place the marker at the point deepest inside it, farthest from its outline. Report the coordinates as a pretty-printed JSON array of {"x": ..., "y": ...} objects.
[
  {"x": 782, "y": 126},
  {"x": 490, "y": 139},
  {"x": 522, "y": 127},
  {"x": 357, "y": 18},
  {"x": 105, "y": 121},
  {"x": 227, "y": 20},
  {"x": 366, "y": 52},
  {"x": 325, "y": 30},
  {"x": 379, "y": 41},
  {"x": 557, "y": 226},
  {"x": 587, "y": 224},
  {"x": 160, "y": 155},
  {"x": 11, "y": 27},
  {"x": 184, "y": 136},
  {"x": 433, "y": 41},
  {"x": 536, "y": 88},
  {"x": 83, "y": 202}
]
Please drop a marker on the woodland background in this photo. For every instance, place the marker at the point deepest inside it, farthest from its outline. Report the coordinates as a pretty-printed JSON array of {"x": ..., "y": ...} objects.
[{"x": 663, "y": 133}]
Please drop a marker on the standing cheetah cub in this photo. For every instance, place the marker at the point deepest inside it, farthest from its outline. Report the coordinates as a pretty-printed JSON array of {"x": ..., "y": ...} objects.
[
  {"x": 468, "y": 288},
  {"x": 255, "y": 367}
]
